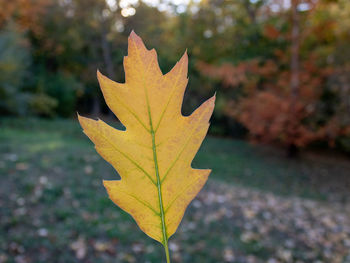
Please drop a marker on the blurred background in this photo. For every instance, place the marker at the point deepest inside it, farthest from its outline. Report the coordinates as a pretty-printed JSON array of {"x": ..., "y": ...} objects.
[{"x": 279, "y": 140}]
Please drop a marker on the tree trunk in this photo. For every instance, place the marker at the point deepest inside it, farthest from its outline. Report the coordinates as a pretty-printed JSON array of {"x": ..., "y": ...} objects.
[
  {"x": 295, "y": 46},
  {"x": 107, "y": 57},
  {"x": 250, "y": 10},
  {"x": 293, "y": 150},
  {"x": 96, "y": 107}
]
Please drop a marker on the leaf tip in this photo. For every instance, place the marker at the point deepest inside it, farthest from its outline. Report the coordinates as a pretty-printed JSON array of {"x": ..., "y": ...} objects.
[
  {"x": 185, "y": 56},
  {"x": 100, "y": 77},
  {"x": 212, "y": 99},
  {"x": 134, "y": 41},
  {"x": 79, "y": 116},
  {"x": 81, "y": 120},
  {"x": 99, "y": 74},
  {"x": 104, "y": 182},
  {"x": 133, "y": 36}
]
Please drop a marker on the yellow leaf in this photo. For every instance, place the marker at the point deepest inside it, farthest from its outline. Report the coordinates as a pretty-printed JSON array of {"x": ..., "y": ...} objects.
[{"x": 153, "y": 155}]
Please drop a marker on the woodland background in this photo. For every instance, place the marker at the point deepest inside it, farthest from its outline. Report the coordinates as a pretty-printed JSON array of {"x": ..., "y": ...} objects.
[
  {"x": 280, "y": 68},
  {"x": 279, "y": 139}
]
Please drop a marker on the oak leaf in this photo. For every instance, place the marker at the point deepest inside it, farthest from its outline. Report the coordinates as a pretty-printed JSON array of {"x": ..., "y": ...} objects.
[{"x": 153, "y": 155}]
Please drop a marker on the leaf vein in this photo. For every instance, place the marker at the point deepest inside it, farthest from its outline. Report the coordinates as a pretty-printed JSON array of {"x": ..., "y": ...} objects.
[
  {"x": 129, "y": 158},
  {"x": 169, "y": 99},
  {"x": 183, "y": 148},
  {"x": 131, "y": 112},
  {"x": 184, "y": 190},
  {"x": 142, "y": 202}
]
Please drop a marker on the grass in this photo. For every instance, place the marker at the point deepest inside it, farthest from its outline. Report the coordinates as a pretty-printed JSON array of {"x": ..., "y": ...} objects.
[
  {"x": 233, "y": 161},
  {"x": 312, "y": 175},
  {"x": 51, "y": 193}
]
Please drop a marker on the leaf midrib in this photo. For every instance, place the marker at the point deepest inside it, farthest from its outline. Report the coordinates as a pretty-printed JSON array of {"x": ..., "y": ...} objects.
[
  {"x": 159, "y": 187},
  {"x": 159, "y": 183}
]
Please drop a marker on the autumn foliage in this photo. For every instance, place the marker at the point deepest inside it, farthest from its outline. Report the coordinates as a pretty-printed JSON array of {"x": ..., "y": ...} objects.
[
  {"x": 296, "y": 57},
  {"x": 280, "y": 98},
  {"x": 26, "y": 13}
]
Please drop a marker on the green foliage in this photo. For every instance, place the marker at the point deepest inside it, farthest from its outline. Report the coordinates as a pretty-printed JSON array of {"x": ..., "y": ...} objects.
[
  {"x": 15, "y": 59},
  {"x": 43, "y": 105},
  {"x": 60, "y": 93}
]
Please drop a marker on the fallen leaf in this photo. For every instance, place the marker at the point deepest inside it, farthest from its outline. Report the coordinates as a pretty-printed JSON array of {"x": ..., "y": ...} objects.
[
  {"x": 79, "y": 247},
  {"x": 22, "y": 166}
]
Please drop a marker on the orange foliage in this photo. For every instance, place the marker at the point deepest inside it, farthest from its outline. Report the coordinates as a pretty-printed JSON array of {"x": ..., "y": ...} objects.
[
  {"x": 229, "y": 74},
  {"x": 271, "y": 32},
  {"x": 268, "y": 108},
  {"x": 26, "y": 13},
  {"x": 270, "y": 117}
]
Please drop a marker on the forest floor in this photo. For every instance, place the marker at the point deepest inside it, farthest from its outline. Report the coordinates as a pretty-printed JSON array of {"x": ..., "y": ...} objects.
[{"x": 257, "y": 206}]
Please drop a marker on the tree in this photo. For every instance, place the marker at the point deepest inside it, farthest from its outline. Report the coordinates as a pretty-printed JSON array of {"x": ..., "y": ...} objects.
[
  {"x": 14, "y": 62},
  {"x": 282, "y": 97}
]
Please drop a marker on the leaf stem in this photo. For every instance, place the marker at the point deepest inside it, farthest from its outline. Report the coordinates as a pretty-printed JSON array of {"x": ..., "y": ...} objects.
[{"x": 166, "y": 248}]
